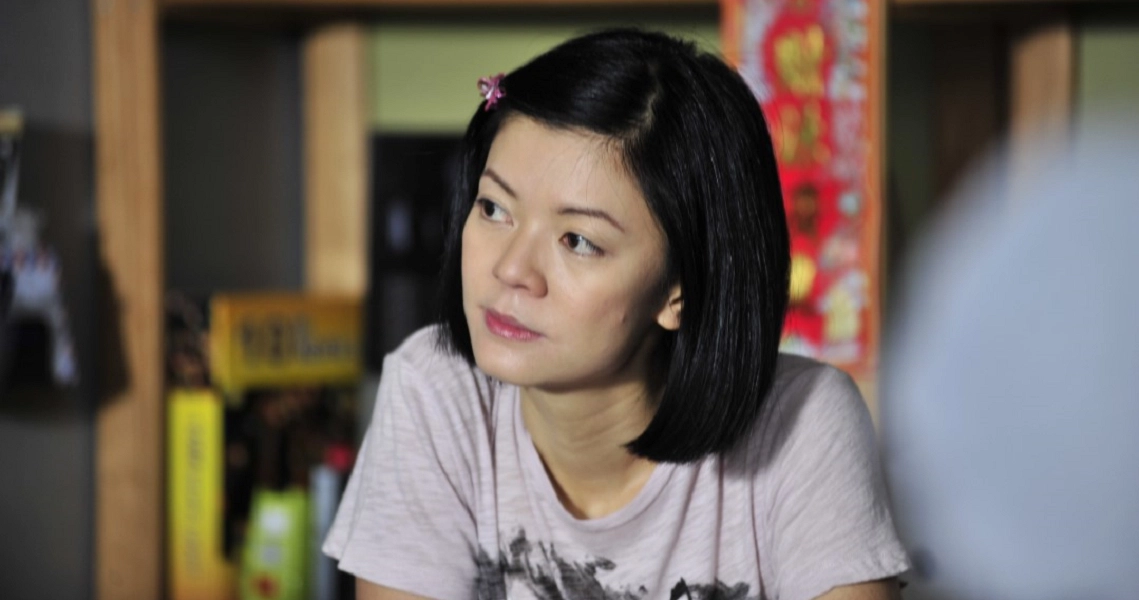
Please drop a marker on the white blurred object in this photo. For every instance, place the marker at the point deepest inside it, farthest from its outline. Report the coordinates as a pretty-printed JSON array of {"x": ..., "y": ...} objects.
[
  {"x": 30, "y": 268},
  {"x": 1011, "y": 408}
]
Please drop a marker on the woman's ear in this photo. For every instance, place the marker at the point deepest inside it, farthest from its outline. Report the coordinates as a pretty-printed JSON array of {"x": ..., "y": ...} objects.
[{"x": 669, "y": 316}]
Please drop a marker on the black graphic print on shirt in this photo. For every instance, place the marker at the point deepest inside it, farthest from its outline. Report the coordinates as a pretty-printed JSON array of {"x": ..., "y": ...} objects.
[{"x": 548, "y": 576}]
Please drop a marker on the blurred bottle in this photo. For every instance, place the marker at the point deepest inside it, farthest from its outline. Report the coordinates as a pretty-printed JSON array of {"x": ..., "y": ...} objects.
[
  {"x": 326, "y": 485},
  {"x": 274, "y": 565}
]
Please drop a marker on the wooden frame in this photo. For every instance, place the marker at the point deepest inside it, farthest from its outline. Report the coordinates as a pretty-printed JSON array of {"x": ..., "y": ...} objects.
[
  {"x": 1042, "y": 80},
  {"x": 128, "y": 200},
  {"x": 336, "y": 160},
  {"x": 129, "y": 206},
  {"x": 372, "y": 4}
]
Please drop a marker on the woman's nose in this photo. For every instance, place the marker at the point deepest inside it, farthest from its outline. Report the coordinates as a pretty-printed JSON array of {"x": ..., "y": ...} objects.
[{"x": 519, "y": 265}]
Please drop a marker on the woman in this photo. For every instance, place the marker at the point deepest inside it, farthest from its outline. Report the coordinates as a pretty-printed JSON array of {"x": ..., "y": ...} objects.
[{"x": 603, "y": 412}]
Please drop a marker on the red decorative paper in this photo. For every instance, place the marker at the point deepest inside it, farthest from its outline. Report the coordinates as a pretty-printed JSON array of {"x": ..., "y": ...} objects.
[{"x": 814, "y": 67}]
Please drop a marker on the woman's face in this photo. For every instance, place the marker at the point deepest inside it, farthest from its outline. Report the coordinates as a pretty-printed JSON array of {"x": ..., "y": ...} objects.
[{"x": 562, "y": 263}]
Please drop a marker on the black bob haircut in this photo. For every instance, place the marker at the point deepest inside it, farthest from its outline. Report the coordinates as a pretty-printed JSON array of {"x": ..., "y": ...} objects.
[{"x": 693, "y": 137}]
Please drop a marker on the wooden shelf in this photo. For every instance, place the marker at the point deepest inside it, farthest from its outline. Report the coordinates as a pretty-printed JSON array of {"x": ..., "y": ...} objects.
[{"x": 364, "y": 4}]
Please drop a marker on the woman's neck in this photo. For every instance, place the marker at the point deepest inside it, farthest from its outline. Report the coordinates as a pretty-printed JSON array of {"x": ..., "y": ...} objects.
[{"x": 581, "y": 437}]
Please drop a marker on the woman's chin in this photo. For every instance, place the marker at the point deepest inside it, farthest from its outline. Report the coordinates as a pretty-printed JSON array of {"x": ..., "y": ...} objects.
[
  {"x": 522, "y": 371},
  {"x": 503, "y": 365}
]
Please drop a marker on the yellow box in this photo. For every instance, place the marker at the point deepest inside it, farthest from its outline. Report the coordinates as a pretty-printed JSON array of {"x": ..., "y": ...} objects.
[
  {"x": 281, "y": 340},
  {"x": 198, "y": 569}
]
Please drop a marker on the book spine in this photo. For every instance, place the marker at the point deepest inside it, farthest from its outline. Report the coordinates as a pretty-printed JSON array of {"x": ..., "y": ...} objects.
[{"x": 197, "y": 566}]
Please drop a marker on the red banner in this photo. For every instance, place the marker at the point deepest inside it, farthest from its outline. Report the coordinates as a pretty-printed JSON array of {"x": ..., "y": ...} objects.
[{"x": 815, "y": 67}]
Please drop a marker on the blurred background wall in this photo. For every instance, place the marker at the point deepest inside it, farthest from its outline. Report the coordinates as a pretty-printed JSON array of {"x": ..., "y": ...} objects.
[
  {"x": 46, "y": 439},
  {"x": 232, "y": 137},
  {"x": 1109, "y": 47},
  {"x": 424, "y": 71}
]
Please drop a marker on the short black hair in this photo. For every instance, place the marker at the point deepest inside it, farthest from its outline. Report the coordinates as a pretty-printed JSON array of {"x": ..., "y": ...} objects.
[{"x": 694, "y": 138}]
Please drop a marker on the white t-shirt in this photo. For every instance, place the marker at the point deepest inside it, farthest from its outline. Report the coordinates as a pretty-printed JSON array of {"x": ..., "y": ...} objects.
[{"x": 449, "y": 499}]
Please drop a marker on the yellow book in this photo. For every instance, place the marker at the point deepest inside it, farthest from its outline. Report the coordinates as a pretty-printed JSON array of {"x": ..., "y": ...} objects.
[
  {"x": 198, "y": 569},
  {"x": 282, "y": 340}
]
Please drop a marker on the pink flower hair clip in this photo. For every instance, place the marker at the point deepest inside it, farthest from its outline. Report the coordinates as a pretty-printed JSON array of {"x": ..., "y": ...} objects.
[{"x": 490, "y": 88}]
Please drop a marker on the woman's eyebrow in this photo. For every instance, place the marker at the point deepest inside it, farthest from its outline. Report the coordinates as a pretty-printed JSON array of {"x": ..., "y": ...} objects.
[
  {"x": 595, "y": 213},
  {"x": 488, "y": 172},
  {"x": 591, "y": 212}
]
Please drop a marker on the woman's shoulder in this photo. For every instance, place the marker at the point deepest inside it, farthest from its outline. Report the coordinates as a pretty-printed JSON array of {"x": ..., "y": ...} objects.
[
  {"x": 424, "y": 350},
  {"x": 800, "y": 380},
  {"x": 797, "y": 370},
  {"x": 424, "y": 355},
  {"x": 440, "y": 382},
  {"x": 809, "y": 401},
  {"x": 817, "y": 482}
]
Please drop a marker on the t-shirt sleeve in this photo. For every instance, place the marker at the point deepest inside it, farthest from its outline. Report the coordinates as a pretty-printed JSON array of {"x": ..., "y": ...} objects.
[
  {"x": 406, "y": 520},
  {"x": 827, "y": 521}
]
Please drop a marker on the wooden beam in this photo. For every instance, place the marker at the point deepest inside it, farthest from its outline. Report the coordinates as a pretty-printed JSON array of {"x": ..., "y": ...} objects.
[
  {"x": 335, "y": 91},
  {"x": 1041, "y": 84},
  {"x": 358, "y": 4},
  {"x": 1041, "y": 88},
  {"x": 128, "y": 197},
  {"x": 980, "y": 3},
  {"x": 873, "y": 238}
]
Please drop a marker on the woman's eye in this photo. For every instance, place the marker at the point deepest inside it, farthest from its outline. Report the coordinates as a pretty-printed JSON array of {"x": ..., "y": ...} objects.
[
  {"x": 491, "y": 211},
  {"x": 579, "y": 245}
]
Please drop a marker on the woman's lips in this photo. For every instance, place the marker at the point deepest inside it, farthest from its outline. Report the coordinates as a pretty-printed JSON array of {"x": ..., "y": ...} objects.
[{"x": 505, "y": 326}]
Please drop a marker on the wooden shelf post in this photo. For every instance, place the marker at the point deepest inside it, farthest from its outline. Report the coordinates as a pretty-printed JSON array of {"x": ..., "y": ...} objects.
[
  {"x": 335, "y": 96},
  {"x": 128, "y": 198}
]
